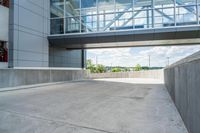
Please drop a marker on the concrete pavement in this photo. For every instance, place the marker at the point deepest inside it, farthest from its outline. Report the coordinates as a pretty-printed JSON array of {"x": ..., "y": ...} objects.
[{"x": 91, "y": 106}]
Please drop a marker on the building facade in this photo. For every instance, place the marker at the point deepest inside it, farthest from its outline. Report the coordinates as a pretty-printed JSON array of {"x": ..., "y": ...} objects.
[
  {"x": 29, "y": 26},
  {"x": 32, "y": 24}
]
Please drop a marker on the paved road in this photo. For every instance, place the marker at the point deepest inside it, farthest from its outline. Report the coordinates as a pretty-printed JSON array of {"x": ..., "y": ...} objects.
[{"x": 92, "y": 106}]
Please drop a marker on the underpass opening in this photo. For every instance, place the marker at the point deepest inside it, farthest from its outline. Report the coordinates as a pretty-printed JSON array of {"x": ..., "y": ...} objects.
[{"x": 140, "y": 62}]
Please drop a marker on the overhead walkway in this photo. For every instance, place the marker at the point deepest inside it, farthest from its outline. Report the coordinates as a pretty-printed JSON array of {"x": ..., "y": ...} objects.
[
  {"x": 130, "y": 38},
  {"x": 104, "y": 24}
]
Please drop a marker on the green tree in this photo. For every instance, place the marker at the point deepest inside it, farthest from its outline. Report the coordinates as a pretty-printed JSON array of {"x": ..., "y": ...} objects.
[
  {"x": 89, "y": 62},
  {"x": 100, "y": 68},
  {"x": 127, "y": 69},
  {"x": 138, "y": 67},
  {"x": 95, "y": 69},
  {"x": 145, "y": 68},
  {"x": 116, "y": 69},
  {"x": 91, "y": 66}
]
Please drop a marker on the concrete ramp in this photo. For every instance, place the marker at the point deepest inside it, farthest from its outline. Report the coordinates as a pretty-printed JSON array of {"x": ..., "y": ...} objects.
[{"x": 91, "y": 106}]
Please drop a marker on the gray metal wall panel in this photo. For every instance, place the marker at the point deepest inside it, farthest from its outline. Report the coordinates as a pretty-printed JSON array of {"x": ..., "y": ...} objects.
[
  {"x": 29, "y": 27},
  {"x": 60, "y": 57}
]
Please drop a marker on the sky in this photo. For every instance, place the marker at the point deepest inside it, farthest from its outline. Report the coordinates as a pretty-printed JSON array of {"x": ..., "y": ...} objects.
[{"x": 129, "y": 57}]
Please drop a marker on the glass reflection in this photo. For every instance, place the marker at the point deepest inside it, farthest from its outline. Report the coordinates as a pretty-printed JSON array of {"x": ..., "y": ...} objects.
[
  {"x": 72, "y": 8},
  {"x": 79, "y": 16},
  {"x": 57, "y": 8},
  {"x": 57, "y": 26}
]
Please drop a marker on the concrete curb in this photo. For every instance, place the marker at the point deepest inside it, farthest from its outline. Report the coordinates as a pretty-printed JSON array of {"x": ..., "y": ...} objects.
[{"x": 34, "y": 86}]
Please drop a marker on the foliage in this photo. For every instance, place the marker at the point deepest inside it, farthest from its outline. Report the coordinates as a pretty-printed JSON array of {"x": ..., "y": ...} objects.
[
  {"x": 138, "y": 67},
  {"x": 116, "y": 69},
  {"x": 127, "y": 69},
  {"x": 95, "y": 69},
  {"x": 145, "y": 68},
  {"x": 100, "y": 68},
  {"x": 89, "y": 63},
  {"x": 91, "y": 66}
]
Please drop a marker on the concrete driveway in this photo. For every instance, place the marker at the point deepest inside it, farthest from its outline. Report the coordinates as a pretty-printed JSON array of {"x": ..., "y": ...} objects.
[{"x": 91, "y": 106}]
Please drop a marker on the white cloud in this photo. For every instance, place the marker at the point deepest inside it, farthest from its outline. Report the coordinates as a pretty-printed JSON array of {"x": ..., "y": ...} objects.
[{"x": 126, "y": 56}]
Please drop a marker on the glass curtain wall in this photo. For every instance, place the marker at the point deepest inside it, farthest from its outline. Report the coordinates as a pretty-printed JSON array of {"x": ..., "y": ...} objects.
[
  {"x": 198, "y": 11},
  {"x": 89, "y": 16},
  {"x": 57, "y": 16},
  {"x": 82, "y": 16},
  {"x": 72, "y": 16}
]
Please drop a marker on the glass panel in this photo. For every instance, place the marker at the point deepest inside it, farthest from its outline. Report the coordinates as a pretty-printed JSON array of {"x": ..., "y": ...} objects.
[
  {"x": 185, "y": 2},
  {"x": 72, "y": 8},
  {"x": 125, "y": 21},
  {"x": 88, "y": 7},
  {"x": 106, "y": 6},
  {"x": 142, "y": 4},
  {"x": 72, "y": 25},
  {"x": 143, "y": 19},
  {"x": 164, "y": 17},
  {"x": 163, "y": 3},
  {"x": 57, "y": 8},
  {"x": 88, "y": 3},
  {"x": 186, "y": 15},
  {"x": 89, "y": 23},
  {"x": 57, "y": 26},
  {"x": 199, "y": 13},
  {"x": 106, "y": 22},
  {"x": 124, "y": 5},
  {"x": 124, "y": 15}
]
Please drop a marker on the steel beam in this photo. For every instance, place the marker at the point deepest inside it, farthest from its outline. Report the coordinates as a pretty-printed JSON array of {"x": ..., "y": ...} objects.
[
  {"x": 125, "y": 23},
  {"x": 166, "y": 16},
  {"x": 117, "y": 17}
]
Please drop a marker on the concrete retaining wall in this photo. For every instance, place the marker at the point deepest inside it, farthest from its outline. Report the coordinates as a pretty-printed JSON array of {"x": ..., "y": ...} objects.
[
  {"x": 182, "y": 80},
  {"x": 3, "y": 65},
  {"x": 18, "y": 77},
  {"x": 155, "y": 74}
]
